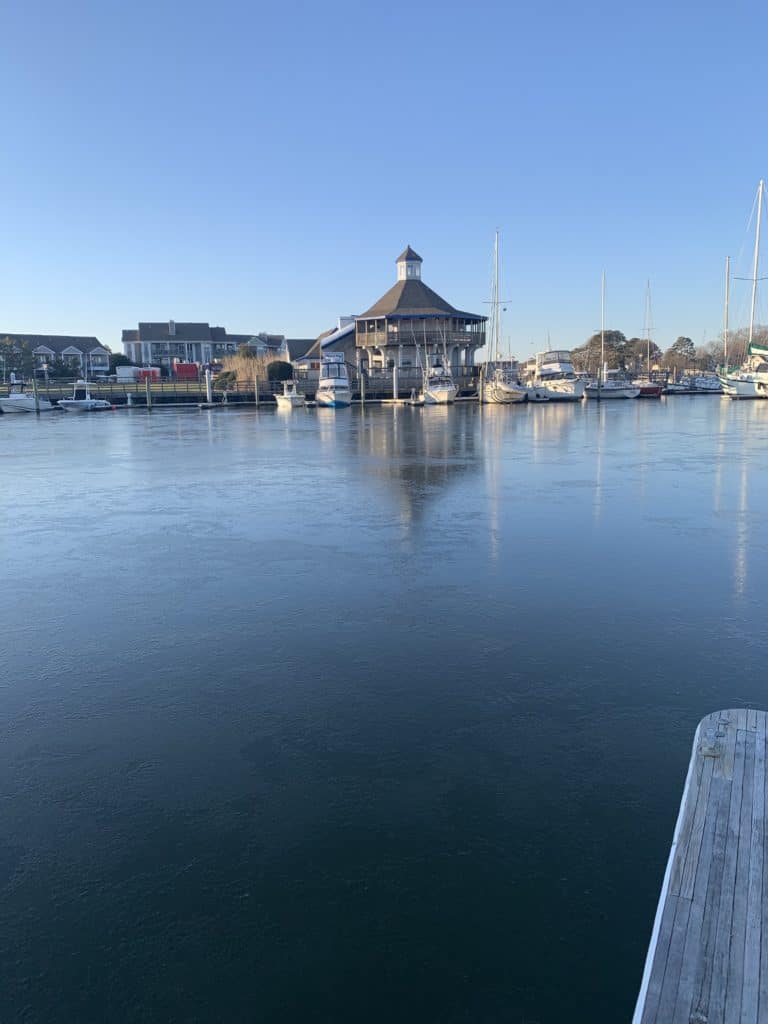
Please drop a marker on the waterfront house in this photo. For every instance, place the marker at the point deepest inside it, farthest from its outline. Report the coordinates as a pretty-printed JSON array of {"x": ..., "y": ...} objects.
[
  {"x": 411, "y": 324},
  {"x": 163, "y": 343},
  {"x": 82, "y": 355}
]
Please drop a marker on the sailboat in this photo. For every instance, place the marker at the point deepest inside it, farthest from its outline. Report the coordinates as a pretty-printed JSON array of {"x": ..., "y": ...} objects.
[
  {"x": 751, "y": 379},
  {"x": 608, "y": 385},
  {"x": 438, "y": 386},
  {"x": 649, "y": 388},
  {"x": 501, "y": 387}
]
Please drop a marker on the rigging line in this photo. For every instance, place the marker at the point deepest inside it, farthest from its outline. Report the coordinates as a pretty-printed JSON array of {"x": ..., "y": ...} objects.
[{"x": 746, "y": 234}]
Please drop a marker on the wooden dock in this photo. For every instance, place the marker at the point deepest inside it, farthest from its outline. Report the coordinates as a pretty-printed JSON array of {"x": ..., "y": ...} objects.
[{"x": 708, "y": 958}]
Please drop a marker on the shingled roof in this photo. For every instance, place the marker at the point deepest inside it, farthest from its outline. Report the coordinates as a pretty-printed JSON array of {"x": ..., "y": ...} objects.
[
  {"x": 55, "y": 342},
  {"x": 413, "y": 298},
  {"x": 409, "y": 254},
  {"x": 182, "y": 332}
]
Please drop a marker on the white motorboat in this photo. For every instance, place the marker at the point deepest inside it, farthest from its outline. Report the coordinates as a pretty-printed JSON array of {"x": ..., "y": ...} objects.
[
  {"x": 706, "y": 384},
  {"x": 696, "y": 384},
  {"x": 554, "y": 373},
  {"x": 439, "y": 388},
  {"x": 333, "y": 391},
  {"x": 81, "y": 400},
  {"x": 19, "y": 400},
  {"x": 678, "y": 387},
  {"x": 291, "y": 398}
]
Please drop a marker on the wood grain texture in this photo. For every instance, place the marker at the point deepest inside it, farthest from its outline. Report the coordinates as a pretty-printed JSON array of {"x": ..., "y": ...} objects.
[{"x": 708, "y": 957}]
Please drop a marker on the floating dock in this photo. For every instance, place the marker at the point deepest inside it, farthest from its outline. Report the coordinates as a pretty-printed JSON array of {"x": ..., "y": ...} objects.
[{"x": 708, "y": 958}]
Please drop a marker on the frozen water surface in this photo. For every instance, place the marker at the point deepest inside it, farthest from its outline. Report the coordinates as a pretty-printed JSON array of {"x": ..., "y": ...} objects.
[{"x": 371, "y": 715}]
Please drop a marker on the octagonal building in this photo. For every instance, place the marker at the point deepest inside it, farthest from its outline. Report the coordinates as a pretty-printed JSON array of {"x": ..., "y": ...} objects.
[{"x": 412, "y": 326}]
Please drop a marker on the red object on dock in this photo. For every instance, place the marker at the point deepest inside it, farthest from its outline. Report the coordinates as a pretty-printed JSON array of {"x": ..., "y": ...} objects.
[{"x": 186, "y": 371}]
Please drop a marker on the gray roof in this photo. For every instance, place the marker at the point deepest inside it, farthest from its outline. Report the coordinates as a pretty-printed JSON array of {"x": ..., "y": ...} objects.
[
  {"x": 299, "y": 347},
  {"x": 334, "y": 339},
  {"x": 55, "y": 342},
  {"x": 183, "y": 332},
  {"x": 197, "y": 332},
  {"x": 414, "y": 298},
  {"x": 409, "y": 254}
]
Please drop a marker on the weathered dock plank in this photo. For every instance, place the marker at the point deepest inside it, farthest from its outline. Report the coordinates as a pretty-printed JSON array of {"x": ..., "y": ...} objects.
[{"x": 708, "y": 957}]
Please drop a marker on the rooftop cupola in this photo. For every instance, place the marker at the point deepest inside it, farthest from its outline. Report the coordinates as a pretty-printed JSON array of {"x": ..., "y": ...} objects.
[{"x": 409, "y": 265}]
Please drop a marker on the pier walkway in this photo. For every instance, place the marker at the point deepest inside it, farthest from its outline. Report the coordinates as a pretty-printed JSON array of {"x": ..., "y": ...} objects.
[{"x": 708, "y": 958}]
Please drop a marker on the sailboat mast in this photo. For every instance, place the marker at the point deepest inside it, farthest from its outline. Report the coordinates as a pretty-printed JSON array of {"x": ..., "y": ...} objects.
[
  {"x": 760, "y": 190},
  {"x": 496, "y": 324},
  {"x": 648, "y": 324},
  {"x": 602, "y": 323},
  {"x": 725, "y": 324}
]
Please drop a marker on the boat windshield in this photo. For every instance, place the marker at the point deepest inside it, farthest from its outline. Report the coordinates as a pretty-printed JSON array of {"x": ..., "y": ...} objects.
[
  {"x": 556, "y": 375},
  {"x": 333, "y": 370},
  {"x": 553, "y": 357}
]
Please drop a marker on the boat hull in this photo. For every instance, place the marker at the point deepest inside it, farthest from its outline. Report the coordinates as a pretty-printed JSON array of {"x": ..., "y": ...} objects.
[
  {"x": 24, "y": 404},
  {"x": 650, "y": 390},
  {"x": 743, "y": 386},
  {"x": 503, "y": 394},
  {"x": 84, "y": 405},
  {"x": 563, "y": 391},
  {"x": 337, "y": 399},
  {"x": 606, "y": 392},
  {"x": 439, "y": 396},
  {"x": 290, "y": 401}
]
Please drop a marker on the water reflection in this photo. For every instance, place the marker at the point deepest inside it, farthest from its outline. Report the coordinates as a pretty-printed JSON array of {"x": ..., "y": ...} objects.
[
  {"x": 601, "y": 413},
  {"x": 421, "y": 451},
  {"x": 742, "y": 530}
]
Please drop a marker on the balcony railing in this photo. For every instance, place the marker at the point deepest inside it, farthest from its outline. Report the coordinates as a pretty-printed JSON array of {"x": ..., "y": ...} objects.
[{"x": 432, "y": 339}]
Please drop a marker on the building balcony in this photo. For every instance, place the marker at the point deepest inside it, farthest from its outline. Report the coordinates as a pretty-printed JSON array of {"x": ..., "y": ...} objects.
[{"x": 432, "y": 339}]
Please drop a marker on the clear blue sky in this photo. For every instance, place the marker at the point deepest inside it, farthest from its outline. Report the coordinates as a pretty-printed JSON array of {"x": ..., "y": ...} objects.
[{"x": 261, "y": 165}]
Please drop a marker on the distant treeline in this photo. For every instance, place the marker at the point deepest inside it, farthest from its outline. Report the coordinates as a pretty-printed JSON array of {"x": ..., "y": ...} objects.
[{"x": 631, "y": 354}]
